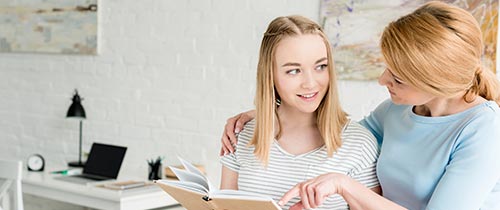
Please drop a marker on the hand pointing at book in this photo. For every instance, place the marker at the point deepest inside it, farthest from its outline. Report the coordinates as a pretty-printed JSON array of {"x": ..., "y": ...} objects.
[{"x": 314, "y": 191}]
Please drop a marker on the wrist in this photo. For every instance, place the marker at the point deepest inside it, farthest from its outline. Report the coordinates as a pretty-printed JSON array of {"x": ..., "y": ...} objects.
[{"x": 343, "y": 185}]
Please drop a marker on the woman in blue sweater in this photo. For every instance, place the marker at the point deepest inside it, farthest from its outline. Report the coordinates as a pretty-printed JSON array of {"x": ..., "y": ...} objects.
[{"x": 439, "y": 133}]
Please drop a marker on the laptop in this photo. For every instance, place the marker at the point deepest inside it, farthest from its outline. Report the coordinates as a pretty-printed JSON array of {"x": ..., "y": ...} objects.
[{"x": 103, "y": 163}]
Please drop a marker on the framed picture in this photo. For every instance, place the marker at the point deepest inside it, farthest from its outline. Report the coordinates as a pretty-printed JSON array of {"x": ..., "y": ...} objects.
[
  {"x": 354, "y": 28},
  {"x": 48, "y": 26}
]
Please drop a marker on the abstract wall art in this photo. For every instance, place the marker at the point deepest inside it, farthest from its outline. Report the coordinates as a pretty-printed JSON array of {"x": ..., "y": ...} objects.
[
  {"x": 48, "y": 26},
  {"x": 355, "y": 26}
]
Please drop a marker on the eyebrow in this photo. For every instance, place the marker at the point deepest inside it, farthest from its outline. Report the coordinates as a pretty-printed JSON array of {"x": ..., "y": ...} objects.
[{"x": 298, "y": 64}]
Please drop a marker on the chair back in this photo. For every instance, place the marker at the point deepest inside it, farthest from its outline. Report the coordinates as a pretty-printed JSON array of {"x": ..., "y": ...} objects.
[{"x": 11, "y": 195}]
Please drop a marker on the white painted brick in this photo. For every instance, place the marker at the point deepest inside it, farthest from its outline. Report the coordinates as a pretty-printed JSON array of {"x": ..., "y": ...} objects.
[
  {"x": 181, "y": 124},
  {"x": 134, "y": 132},
  {"x": 200, "y": 5},
  {"x": 104, "y": 129},
  {"x": 171, "y": 5},
  {"x": 224, "y": 6},
  {"x": 168, "y": 75}
]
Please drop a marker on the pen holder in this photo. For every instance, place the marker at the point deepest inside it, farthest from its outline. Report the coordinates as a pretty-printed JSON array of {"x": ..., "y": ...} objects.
[{"x": 154, "y": 172}]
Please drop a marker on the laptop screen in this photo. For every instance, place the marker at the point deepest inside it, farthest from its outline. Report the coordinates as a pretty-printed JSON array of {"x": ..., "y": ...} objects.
[{"x": 104, "y": 160}]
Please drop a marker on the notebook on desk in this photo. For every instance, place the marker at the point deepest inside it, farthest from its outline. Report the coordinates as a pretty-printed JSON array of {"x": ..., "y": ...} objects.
[{"x": 103, "y": 163}]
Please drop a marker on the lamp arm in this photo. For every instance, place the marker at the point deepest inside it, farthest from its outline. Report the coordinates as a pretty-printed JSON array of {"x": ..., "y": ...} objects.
[{"x": 80, "y": 150}]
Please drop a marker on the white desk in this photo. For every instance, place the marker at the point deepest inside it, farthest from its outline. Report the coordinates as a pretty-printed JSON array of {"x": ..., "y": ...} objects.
[{"x": 44, "y": 185}]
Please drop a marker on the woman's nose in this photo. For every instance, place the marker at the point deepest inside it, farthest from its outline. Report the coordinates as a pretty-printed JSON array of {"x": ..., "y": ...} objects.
[
  {"x": 385, "y": 79},
  {"x": 308, "y": 80}
]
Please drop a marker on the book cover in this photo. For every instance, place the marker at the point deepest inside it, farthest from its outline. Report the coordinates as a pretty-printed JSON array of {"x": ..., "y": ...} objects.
[{"x": 194, "y": 191}]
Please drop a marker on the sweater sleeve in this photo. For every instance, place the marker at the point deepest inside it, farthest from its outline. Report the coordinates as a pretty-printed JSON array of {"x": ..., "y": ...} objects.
[
  {"x": 375, "y": 120},
  {"x": 473, "y": 170}
]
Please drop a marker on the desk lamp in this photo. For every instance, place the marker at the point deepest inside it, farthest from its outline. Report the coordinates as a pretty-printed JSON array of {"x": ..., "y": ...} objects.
[{"x": 76, "y": 111}]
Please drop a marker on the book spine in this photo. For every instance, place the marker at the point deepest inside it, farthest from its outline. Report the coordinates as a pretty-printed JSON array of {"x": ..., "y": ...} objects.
[{"x": 208, "y": 200}]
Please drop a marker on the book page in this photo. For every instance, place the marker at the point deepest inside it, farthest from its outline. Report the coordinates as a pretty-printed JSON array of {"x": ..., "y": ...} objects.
[
  {"x": 240, "y": 194},
  {"x": 191, "y": 168},
  {"x": 186, "y": 185},
  {"x": 194, "y": 191},
  {"x": 187, "y": 176}
]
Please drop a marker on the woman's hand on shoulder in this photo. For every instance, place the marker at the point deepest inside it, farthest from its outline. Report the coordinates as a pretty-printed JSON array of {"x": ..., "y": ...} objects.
[{"x": 233, "y": 126}]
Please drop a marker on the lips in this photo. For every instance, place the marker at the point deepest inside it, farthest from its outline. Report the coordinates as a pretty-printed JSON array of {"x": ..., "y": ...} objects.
[{"x": 308, "y": 96}]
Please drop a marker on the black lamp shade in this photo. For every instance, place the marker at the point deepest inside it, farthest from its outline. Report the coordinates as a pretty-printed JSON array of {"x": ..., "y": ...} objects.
[
  {"x": 76, "y": 111},
  {"x": 76, "y": 108}
]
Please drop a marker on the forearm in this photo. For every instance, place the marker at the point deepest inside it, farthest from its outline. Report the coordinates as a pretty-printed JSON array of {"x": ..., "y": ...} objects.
[{"x": 360, "y": 197}]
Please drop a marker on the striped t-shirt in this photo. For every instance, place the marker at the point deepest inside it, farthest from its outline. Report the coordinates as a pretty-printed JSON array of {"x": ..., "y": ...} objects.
[{"x": 356, "y": 158}]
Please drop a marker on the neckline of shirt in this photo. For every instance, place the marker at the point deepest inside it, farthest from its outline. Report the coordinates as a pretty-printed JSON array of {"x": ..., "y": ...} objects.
[
  {"x": 443, "y": 119},
  {"x": 278, "y": 146}
]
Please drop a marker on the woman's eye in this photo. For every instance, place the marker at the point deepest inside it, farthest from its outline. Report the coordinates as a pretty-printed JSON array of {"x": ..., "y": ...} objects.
[
  {"x": 322, "y": 67},
  {"x": 293, "y": 71},
  {"x": 397, "y": 81}
]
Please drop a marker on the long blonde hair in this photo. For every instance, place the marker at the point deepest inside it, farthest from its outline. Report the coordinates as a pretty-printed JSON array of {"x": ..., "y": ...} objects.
[
  {"x": 438, "y": 48},
  {"x": 330, "y": 117}
]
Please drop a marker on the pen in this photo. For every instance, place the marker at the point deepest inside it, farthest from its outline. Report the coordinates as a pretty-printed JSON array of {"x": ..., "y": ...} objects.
[{"x": 66, "y": 172}]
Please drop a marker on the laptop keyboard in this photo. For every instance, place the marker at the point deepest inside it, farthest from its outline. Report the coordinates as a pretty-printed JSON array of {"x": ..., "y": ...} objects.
[
  {"x": 80, "y": 178},
  {"x": 92, "y": 177}
]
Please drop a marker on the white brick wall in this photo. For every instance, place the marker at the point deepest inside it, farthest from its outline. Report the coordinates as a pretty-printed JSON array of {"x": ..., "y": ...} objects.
[{"x": 168, "y": 74}]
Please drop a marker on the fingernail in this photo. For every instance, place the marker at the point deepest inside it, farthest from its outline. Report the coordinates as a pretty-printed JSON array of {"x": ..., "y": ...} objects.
[
  {"x": 280, "y": 203},
  {"x": 237, "y": 130}
]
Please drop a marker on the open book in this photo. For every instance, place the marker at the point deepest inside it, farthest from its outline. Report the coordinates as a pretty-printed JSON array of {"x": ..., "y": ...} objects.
[{"x": 195, "y": 192}]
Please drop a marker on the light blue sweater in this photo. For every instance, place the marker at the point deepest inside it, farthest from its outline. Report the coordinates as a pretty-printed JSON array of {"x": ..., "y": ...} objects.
[{"x": 438, "y": 163}]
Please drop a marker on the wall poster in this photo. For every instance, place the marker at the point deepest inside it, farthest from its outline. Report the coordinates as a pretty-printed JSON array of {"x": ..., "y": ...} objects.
[
  {"x": 48, "y": 26},
  {"x": 355, "y": 26}
]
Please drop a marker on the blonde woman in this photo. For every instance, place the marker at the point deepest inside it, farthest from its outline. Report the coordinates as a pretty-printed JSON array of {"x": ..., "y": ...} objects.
[
  {"x": 440, "y": 132},
  {"x": 300, "y": 130}
]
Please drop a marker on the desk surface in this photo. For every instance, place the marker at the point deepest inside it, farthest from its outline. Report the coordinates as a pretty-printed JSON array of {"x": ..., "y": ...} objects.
[{"x": 44, "y": 185}]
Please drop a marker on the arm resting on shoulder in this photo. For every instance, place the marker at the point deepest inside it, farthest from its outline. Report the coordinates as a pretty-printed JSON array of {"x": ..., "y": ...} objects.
[{"x": 233, "y": 126}]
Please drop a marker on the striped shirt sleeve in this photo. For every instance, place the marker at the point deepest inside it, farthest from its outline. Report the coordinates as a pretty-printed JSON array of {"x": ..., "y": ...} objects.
[
  {"x": 231, "y": 160},
  {"x": 365, "y": 172}
]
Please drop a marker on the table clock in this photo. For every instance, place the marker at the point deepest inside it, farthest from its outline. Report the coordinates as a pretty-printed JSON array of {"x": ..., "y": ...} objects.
[{"x": 36, "y": 163}]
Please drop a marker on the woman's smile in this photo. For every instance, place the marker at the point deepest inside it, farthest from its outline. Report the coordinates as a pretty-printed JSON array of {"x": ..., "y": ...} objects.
[{"x": 308, "y": 97}]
